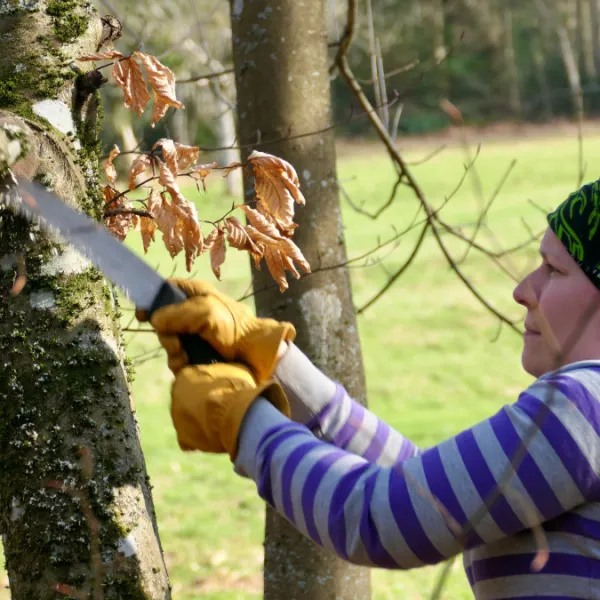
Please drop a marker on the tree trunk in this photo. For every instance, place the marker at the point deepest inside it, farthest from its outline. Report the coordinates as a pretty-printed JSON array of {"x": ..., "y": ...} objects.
[
  {"x": 595, "y": 27},
  {"x": 510, "y": 59},
  {"x": 584, "y": 34},
  {"x": 539, "y": 63},
  {"x": 281, "y": 64},
  {"x": 553, "y": 20},
  {"x": 75, "y": 507}
]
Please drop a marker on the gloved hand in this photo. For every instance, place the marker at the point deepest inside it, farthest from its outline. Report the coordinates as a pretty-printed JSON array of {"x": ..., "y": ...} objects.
[
  {"x": 209, "y": 402},
  {"x": 228, "y": 326}
]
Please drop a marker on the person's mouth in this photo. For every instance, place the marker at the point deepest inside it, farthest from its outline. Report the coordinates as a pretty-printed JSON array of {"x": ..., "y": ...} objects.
[{"x": 530, "y": 331}]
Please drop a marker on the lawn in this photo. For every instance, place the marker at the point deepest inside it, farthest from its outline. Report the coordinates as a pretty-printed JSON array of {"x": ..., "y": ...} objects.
[{"x": 435, "y": 363}]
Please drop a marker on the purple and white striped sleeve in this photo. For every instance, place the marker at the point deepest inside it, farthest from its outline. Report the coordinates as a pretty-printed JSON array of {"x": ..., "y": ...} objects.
[
  {"x": 531, "y": 462},
  {"x": 326, "y": 409}
]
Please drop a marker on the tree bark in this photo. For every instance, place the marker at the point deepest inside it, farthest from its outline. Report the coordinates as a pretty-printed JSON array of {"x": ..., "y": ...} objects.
[
  {"x": 595, "y": 27},
  {"x": 281, "y": 65},
  {"x": 584, "y": 34},
  {"x": 554, "y": 22},
  {"x": 76, "y": 511},
  {"x": 539, "y": 63},
  {"x": 512, "y": 69}
]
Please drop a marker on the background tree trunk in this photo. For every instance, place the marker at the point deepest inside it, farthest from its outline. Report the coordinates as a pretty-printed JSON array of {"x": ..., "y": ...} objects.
[
  {"x": 510, "y": 59},
  {"x": 281, "y": 64},
  {"x": 595, "y": 27},
  {"x": 553, "y": 19},
  {"x": 539, "y": 63},
  {"x": 584, "y": 33},
  {"x": 75, "y": 506}
]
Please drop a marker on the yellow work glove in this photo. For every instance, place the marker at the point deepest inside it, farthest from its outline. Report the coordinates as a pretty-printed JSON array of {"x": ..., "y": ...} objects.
[
  {"x": 227, "y": 325},
  {"x": 209, "y": 402}
]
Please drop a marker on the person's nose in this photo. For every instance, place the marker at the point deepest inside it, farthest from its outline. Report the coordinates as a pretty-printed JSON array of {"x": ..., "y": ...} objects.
[{"x": 525, "y": 294}]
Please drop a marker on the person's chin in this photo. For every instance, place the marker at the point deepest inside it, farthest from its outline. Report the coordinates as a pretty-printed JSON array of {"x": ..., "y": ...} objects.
[{"x": 532, "y": 364}]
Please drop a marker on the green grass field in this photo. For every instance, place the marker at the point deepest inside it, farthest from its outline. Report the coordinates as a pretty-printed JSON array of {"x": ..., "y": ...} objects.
[{"x": 434, "y": 361}]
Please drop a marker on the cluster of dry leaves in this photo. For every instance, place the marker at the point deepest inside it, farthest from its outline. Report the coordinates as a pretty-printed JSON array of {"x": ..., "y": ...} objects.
[
  {"x": 268, "y": 233},
  {"x": 270, "y": 226},
  {"x": 128, "y": 74}
]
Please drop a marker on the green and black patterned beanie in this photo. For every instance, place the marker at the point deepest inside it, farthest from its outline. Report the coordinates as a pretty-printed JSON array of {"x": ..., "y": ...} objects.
[{"x": 576, "y": 223}]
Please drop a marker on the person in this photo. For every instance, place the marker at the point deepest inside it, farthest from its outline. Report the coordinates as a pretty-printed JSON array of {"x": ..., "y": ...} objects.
[{"x": 356, "y": 487}]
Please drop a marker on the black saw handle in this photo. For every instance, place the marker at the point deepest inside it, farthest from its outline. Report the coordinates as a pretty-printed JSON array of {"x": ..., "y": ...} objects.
[{"x": 199, "y": 351}]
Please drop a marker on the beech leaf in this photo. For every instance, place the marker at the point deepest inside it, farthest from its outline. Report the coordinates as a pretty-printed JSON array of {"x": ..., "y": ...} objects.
[
  {"x": 238, "y": 237},
  {"x": 109, "y": 55},
  {"x": 276, "y": 268},
  {"x": 169, "y": 153},
  {"x": 138, "y": 166},
  {"x": 167, "y": 179},
  {"x": 120, "y": 224},
  {"x": 147, "y": 228},
  {"x": 201, "y": 172},
  {"x": 130, "y": 78},
  {"x": 187, "y": 155},
  {"x": 277, "y": 186},
  {"x": 210, "y": 239},
  {"x": 162, "y": 82},
  {"x": 260, "y": 222},
  {"x": 217, "y": 253},
  {"x": 169, "y": 224},
  {"x": 109, "y": 168}
]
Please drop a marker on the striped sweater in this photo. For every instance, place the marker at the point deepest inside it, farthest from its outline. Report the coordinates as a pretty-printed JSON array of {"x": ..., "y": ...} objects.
[{"x": 368, "y": 494}]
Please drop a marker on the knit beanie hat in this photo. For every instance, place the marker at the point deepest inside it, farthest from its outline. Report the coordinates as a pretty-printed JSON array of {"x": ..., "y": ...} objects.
[{"x": 576, "y": 223}]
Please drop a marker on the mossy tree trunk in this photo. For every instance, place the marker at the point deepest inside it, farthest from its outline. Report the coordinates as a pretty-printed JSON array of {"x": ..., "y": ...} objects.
[
  {"x": 75, "y": 506},
  {"x": 282, "y": 81}
]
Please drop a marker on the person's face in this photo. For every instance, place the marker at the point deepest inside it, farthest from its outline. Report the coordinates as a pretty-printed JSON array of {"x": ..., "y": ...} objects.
[{"x": 562, "y": 324}]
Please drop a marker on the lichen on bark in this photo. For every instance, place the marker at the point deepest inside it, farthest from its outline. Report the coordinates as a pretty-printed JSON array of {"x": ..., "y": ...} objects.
[{"x": 73, "y": 482}]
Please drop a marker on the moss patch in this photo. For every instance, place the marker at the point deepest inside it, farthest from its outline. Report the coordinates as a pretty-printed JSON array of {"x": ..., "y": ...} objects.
[
  {"x": 68, "y": 24},
  {"x": 33, "y": 78},
  {"x": 61, "y": 393}
]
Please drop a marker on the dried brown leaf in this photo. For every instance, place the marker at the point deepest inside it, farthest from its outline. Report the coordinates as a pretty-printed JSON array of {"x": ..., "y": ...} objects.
[
  {"x": 288, "y": 263},
  {"x": 154, "y": 203},
  {"x": 121, "y": 224},
  {"x": 130, "y": 78},
  {"x": 166, "y": 218},
  {"x": 276, "y": 267},
  {"x": 109, "y": 55},
  {"x": 210, "y": 239},
  {"x": 138, "y": 166},
  {"x": 167, "y": 179},
  {"x": 261, "y": 238},
  {"x": 260, "y": 221},
  {"x": 162, "y": 82},
  {"x": 217, "y": 253},
  {"x": 291, "y": 251},
  {"x": 232, "y": 167},
  {"x": 148, "y": 229},
  {"x": 187, "y": 155},
  {"x": 109, "y": 194},
  {"x": 452, "y": 111},
  {"x": 285, "y": 229},
  {"x": 171, "y": 226},
  {"x": 277, "y": 186},
  {"x": 169, "y": 153},
  {"x": 18, "y": 284},
  {"x": 201, "y": 172},
  {"x": 109, "y": 168},
  {"x": 138, "y": 90},
  {"x": 193, "y": 240},
  {"x": 238, "y": 237},
  {"x": 121, "y": 74}
]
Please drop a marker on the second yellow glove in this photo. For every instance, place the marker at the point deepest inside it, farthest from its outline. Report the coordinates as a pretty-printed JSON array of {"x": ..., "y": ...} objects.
[{"x": 209, "y": 402}]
